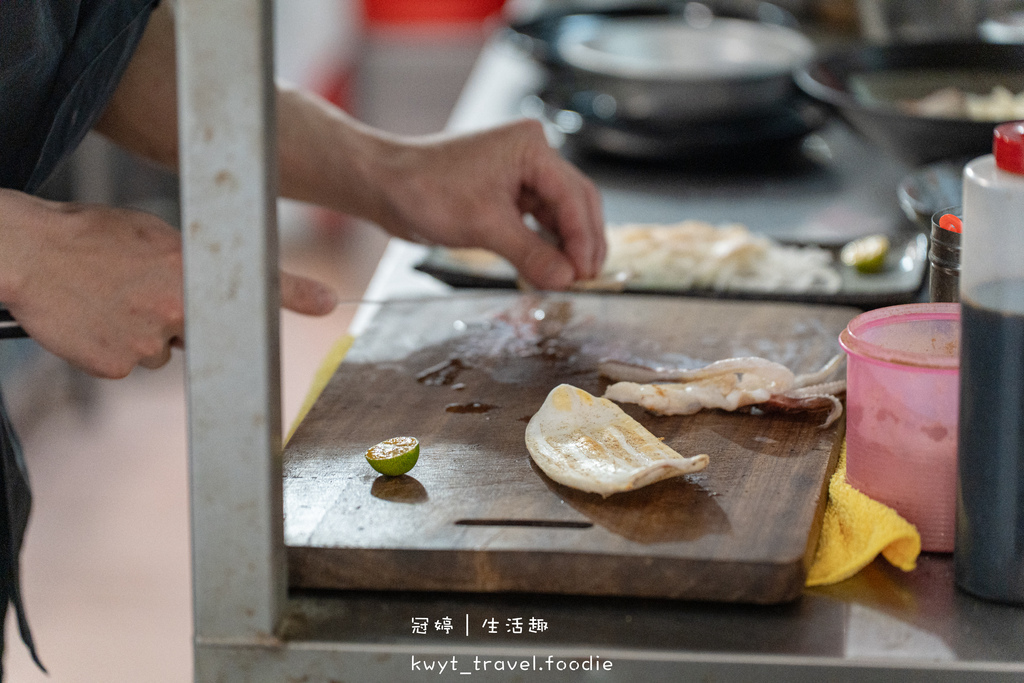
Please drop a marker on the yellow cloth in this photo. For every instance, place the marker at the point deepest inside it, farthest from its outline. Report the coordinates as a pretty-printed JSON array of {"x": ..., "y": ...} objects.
[
  {"x": 323, "y": 375},
  {"x": 855, "y": 529}
]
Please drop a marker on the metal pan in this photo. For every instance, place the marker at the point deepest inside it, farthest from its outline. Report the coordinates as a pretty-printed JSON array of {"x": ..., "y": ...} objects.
[
  {"x": 867, "y": 84},
  {"x": 673, "y": 64}
]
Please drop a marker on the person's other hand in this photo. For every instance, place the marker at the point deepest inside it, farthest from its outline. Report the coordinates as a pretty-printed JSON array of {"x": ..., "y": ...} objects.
[
  {"x": 102, "y": 287},
  {"x": 474, "y": 190}
]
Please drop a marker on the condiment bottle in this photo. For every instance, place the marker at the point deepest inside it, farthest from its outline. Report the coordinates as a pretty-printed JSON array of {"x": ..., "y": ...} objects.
[
  {"x": 944, "y": 256},
  {"x": 989, "y": 555}
]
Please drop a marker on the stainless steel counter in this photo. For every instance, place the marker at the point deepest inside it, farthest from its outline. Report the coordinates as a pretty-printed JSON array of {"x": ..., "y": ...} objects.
[
  {"x": 880, "y": 622},
  {"x": 877, "y": 625}
]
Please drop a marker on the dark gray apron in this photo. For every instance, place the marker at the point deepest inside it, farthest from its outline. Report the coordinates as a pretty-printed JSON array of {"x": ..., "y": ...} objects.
[{"x": 60, "y": 62}]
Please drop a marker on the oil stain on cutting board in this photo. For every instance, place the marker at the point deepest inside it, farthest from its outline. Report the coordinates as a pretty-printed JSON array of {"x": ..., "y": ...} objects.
[{"x": 464, "y": 375}]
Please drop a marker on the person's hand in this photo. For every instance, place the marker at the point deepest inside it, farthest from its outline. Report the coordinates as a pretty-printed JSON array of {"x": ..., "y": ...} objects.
[
  {"x": 102, "y": 287},
  {"x": 474, "y": 190}
]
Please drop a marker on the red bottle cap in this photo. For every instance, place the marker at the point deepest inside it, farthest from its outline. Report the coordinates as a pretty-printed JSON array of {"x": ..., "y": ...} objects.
[
  {"x": 951, "y": 222},
  {"x": 1008, "y": 146}
]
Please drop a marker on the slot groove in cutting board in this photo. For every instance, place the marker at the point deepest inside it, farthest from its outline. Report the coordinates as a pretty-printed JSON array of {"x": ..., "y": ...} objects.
[
  {"x": 742, "y": 530},
  {"x": 534, "y": 523}
]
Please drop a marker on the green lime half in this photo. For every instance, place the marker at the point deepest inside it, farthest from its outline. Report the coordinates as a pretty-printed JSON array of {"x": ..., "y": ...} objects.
[
  {"x": 866, "y": 254},
  {"x": 395, "y": 456}
]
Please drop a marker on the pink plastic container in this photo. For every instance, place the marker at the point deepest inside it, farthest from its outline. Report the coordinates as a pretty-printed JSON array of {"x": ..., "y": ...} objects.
[{"x": 902, "y": 396}]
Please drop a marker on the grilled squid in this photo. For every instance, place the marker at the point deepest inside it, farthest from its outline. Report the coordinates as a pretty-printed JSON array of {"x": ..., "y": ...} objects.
[
  {"x": 727, "y": 385},
  {"x": 590, "y": 444}
]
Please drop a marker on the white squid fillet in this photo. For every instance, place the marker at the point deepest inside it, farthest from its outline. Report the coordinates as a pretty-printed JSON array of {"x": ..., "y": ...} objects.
[{"x": 589, "y": 443}]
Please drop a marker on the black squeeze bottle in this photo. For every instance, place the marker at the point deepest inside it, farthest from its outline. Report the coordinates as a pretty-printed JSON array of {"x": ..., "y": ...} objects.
[{"x": 989, "y": 554}]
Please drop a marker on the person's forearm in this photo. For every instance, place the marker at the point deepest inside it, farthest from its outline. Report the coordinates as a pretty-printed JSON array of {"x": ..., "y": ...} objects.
[
  {"x": 16, "y": 211},
  {"x": 142, "y": 116},
  {"x": 328, "y": 158},
  {"x": 458, "y": 191},
  {"x": 324, "y": 156}
]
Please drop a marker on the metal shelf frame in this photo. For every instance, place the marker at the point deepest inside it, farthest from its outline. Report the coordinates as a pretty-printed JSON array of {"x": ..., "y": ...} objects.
[{"x": 227, "y": 152}]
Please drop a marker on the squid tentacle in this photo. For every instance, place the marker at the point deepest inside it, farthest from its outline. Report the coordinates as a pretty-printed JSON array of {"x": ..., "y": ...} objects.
[{"x": 826, "y": 371}]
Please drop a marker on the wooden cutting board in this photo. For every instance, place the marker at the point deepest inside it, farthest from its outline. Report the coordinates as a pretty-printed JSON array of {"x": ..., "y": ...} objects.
[{"x": 465, "y": 374}]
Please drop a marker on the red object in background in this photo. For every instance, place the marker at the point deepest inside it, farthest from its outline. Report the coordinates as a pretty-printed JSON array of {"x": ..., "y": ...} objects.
[
  {"x": 336, "y": 87},
  {"x": 429, "y": 11}
]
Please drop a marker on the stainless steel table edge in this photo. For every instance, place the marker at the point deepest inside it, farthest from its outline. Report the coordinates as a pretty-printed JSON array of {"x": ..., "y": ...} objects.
[{"x": 325, "y": 660}]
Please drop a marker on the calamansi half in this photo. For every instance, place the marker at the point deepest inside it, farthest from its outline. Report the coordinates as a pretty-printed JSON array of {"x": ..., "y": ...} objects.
[
  {"x": 394, "y": 457},
  {"x": 866, "y": 254}
]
